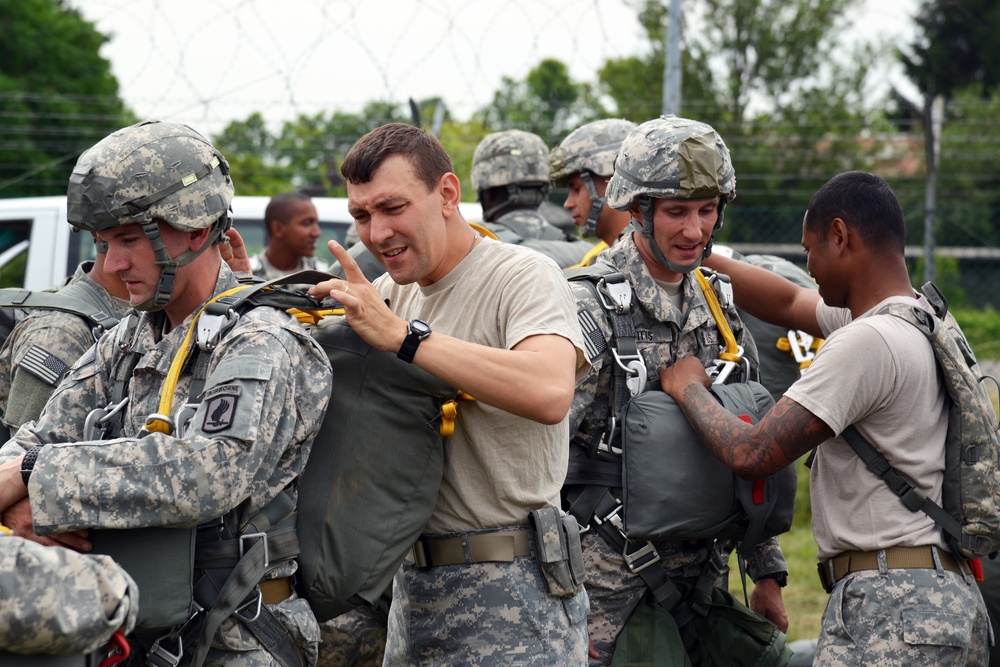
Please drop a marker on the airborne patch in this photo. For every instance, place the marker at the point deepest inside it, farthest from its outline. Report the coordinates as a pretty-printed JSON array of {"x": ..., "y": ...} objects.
[
  {"x": 592, "y": 336},
  {"x": 220, "y": 408}
]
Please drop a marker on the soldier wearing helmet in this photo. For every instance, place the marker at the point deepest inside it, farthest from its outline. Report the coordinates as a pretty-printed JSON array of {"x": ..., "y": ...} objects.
[
  {"x": 510, "y": 174},
  {"x": 674, "y": 176},
  {"x": 584, "y": 162},
  {"x": 180, "y": 416}
]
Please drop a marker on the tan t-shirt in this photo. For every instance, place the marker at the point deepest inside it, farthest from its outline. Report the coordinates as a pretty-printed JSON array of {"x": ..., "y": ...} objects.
[
  {"x": 497, "y": 466},
  {"x": 879, "y": 373}
]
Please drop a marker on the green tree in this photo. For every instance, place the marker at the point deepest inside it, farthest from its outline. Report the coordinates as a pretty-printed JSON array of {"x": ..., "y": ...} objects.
[
  {"x": 547, "y": 102},
  {"x": 955, "y": 46},
  {"x": 58, "y": 96}
]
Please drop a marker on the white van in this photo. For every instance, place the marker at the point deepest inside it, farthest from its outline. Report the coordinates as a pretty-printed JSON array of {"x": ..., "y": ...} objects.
[{"x": 38, "y": 248}]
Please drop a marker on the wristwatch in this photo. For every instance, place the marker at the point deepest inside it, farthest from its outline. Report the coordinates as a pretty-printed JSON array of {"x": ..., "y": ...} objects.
[
  {"x": 417, "y": 330},
  {"x": 28, "y": 463}
]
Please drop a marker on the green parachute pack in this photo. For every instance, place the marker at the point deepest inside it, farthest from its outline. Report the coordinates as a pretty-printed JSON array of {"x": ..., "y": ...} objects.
[{"x": 970, "y": 516}]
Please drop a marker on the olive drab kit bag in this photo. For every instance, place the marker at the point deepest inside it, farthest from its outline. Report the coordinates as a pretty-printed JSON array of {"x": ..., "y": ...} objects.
[
  {"x": 368, "y": 488},
  {"x": 970, "y": 510}
]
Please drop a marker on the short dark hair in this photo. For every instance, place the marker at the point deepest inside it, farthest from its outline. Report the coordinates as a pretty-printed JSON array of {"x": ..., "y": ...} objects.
[
  {"x": 280, "y": 208},
  {"x": 425, "y": 153},
  {"x": 866, "y": 203}
]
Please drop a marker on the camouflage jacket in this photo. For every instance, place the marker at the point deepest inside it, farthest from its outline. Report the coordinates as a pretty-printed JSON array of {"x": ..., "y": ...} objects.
[
  {"x": 266, "y": 390},
  {"x": 58, "y": 601},
  {"x": 39, "y": 351},
  {"x": 529, "y": 225},
  {"x": 663, "y": 334}
]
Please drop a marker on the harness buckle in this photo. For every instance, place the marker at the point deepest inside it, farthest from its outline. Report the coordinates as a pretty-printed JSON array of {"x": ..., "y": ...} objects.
[
  {"x": 211, "y": 328},
  {"x": 183, "y": 417},
  {"x": 251, "y": 536},
  {"x": 801, "y": 344},
  {"x": 634, "y": 368},
  {"x": 605, "y": 444},
  {"x": 616, "y": 295},
  {"x": 260, "y": 605},
  {"x": 95, "y": 426},
  {"x": 159, "y": 656},
  {"x": 639, "y": 559}
]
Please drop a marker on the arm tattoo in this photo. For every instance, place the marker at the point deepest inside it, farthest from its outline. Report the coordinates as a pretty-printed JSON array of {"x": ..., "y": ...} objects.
[{"x": 785, "y": 433}]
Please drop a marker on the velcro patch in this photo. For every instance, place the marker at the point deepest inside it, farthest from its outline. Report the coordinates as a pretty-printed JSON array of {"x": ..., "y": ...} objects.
[
  {"x": 44, "y": 365},
  {"x": 592, "y": 336},
  {"x": 220, "y": 408}
]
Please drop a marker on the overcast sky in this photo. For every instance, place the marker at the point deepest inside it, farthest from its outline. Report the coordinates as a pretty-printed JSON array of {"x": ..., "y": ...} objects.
[{"x": 209, "y": 62}]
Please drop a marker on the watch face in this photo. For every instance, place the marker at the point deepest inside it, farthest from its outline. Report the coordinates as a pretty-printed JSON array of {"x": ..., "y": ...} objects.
[{"x": 420, "y": 328}]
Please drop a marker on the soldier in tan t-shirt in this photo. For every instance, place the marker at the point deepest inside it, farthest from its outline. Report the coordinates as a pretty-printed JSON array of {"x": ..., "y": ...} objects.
[
  {"x": 498, "y": 322},
  {"x": 898, "y": 596}
]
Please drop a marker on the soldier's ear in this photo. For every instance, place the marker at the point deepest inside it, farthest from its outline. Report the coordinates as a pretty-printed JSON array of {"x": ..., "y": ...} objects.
[{"x": 450, "y": 190}]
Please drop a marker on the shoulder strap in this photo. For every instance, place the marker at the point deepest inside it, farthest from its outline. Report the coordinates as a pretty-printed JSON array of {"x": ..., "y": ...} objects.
[
  {"x": 913, "y": 498},
  {"x": 62, "y": 300}
]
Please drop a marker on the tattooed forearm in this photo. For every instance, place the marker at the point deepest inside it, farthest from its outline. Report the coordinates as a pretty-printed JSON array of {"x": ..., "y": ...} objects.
[{"x": 786, "y": 432}]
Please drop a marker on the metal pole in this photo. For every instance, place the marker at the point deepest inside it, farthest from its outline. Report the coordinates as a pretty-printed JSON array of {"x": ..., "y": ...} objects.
[
  {"x": 933, "y": 120},
  {"x": 672, "y": 61}
]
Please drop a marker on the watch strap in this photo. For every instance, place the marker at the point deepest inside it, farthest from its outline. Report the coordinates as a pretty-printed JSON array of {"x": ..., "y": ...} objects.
[{"x": 28, "y": 463}]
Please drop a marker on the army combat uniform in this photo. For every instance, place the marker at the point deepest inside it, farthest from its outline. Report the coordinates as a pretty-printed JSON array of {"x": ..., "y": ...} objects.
[
  {"x": 663, "y": 334},
  {"x": 59, "y": 602},
  {"x": 266, "y": 390},
  {"x": 40, "y": 350}
]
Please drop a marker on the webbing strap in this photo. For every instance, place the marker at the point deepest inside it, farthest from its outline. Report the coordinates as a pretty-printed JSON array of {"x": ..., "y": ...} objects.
[
  {"x": 913, "y": 498},
  {"x": 156, "y": 424},
  {"x": 592, "y": 254}
]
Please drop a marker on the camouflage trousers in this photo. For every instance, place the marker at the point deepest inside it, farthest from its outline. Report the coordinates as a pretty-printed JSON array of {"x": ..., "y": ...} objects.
[
  {"x": 904, "y": 617},
  {"x": 615, "y": 590},
  {"x": 354, "y": 639},
  {"x": 484, "y": 614}
]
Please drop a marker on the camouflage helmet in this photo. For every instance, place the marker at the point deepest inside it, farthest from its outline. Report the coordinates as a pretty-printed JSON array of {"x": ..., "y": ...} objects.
[
  {"x": 150, "y": 170},
  {"x": 588, "y": 150},
  {"x": 671, "y": 158},
  {"x": 591, "y": 147},
  {"x": 510, "y": 157}
]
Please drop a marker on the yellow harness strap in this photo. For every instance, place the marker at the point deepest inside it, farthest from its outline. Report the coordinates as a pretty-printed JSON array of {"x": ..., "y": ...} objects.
[
  {"x": 588, "y": 259},
  {"x": 483, "y": 230},
  {"x": 5, "y": 531},
  {"x": 313, "y": 316},
  {"x": 731, "y": 353},
  {"x": 154, "y": 423},
  {"x": 449, "y": 411}
]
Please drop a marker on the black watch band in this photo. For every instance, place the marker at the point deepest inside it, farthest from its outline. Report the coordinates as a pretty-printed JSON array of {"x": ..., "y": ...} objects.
[
  {"x": 28, "y": 463},
  {"x": 417, "y": 330}
]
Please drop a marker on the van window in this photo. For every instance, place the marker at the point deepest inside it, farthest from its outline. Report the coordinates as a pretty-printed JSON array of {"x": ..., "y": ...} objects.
[
  {"x": 252, "y": 232},
  {"x": 14, "y": 239}
]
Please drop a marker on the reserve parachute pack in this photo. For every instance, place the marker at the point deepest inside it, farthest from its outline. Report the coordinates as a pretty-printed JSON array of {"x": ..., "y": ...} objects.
[
  {"x": 673, "y": 488},
  {"x": 970, "y": 516}
]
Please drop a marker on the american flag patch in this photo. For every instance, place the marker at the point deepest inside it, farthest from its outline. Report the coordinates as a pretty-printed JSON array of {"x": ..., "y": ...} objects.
[
  {"x": 592, "y": 336},
  {"x": 44, "y": 365}
]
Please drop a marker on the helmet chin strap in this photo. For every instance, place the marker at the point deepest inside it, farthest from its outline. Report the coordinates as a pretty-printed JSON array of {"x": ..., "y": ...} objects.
[
  {"x": 165, "y": 285},
  {"x": 597, "y": 202},
  {"x": 645, "y": 229}
]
